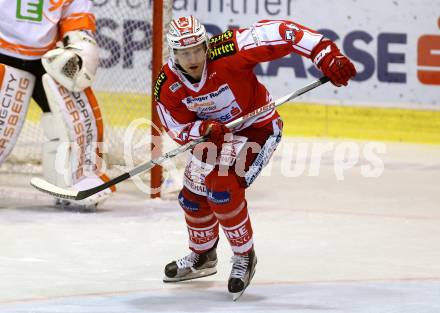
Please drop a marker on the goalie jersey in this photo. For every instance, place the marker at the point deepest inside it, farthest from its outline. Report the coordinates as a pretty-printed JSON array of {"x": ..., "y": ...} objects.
[
  {"x": 30, "y": 28},
  {"x": 228, "y": 88}
]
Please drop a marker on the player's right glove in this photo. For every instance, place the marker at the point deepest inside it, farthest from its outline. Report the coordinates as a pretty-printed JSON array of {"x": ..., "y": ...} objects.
[
  {"x": 215, "y": 131},
  {"x": 333, "y": 63}
]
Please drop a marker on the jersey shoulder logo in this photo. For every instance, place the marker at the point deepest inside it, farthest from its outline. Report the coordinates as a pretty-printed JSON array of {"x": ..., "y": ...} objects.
[
  {"x": 292, "y": 33},
  {"x": 160, "y": 81},
  {"x": 226, "y": 36},
  {"x": 222, "y": 50},
  {"x": 222, "y": 45}
]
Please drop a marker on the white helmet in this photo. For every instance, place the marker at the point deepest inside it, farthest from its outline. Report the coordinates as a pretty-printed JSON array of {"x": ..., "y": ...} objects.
[{"x": 185, "y": 32}]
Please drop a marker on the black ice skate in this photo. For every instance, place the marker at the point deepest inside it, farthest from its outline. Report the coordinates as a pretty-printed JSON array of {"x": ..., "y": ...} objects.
[
  {"x": 243, "y": 269},
  {"x": 192, "y": 266}
]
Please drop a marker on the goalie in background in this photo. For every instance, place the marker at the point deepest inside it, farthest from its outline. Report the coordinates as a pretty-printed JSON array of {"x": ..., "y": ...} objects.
[
  {"x": 207, "y": 83},
  {"x": 48, "y": 53}
]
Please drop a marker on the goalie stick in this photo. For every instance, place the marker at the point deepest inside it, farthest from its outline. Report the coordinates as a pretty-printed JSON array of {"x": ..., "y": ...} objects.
[{"x": 62, "y": 193}]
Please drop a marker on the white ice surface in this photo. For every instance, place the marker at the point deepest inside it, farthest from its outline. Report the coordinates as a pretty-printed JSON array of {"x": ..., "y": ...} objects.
[{"x": 361, "y": 245}]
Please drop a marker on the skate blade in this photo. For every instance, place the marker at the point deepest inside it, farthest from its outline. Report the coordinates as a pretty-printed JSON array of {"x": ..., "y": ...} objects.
[
  {"x": 199, "y": 274},
  {"x": 237, "y": 295}
]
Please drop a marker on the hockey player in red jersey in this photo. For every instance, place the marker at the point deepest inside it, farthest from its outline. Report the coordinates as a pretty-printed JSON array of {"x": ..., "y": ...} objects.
[{"x": 207, "y": 83}]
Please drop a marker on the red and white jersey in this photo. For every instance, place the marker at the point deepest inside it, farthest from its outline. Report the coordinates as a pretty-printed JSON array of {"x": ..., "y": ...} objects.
[
  {"x": 30, "y": 28},
  {"x": 228, "y": 88}
]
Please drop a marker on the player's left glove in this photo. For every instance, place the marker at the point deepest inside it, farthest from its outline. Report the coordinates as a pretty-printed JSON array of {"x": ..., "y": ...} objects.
[{"x": 333, "y": 63}]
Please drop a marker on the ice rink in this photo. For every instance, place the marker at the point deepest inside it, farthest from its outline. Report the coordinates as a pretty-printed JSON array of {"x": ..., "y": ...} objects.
[{"x": 358, "y": 245}]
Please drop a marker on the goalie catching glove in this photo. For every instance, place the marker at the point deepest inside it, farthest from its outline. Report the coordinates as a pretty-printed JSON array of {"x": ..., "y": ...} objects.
[
  {"x": 74, "y": 63},
  {"x": 333, "y": 64}
]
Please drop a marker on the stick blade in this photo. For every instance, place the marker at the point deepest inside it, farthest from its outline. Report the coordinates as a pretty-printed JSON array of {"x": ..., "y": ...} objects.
[{"x": 58, "y": 192}]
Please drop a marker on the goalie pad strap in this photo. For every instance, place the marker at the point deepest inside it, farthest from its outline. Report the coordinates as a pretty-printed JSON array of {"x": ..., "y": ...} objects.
[{"x": 16, "y": 87}]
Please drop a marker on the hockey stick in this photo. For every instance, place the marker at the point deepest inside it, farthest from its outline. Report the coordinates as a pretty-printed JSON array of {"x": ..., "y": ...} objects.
[{"x": 62, "y": 193}]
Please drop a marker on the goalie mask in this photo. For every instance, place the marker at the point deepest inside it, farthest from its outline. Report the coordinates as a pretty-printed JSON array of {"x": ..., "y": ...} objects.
[
  {"x": 185, "y": 32},
  {"x": 73, "y": 65}
]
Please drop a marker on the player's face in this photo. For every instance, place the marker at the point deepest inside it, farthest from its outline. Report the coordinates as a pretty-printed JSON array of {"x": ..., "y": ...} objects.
[{"x": 192, "y": 60}]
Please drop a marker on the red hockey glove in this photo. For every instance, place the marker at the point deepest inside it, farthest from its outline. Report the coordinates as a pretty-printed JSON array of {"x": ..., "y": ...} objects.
[
  {"x": 215, "y": 131},
  {"x": 333, "y": 63}
]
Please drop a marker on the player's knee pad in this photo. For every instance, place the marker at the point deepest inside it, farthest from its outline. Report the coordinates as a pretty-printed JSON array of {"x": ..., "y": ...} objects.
[
  {"x": 201, "y": 222},
  {"x": 16, "y": 87},
  {"x": 224, "y": 191},
  {"x": 196, "y": 207},
  {"x": 227, "y": 199}
]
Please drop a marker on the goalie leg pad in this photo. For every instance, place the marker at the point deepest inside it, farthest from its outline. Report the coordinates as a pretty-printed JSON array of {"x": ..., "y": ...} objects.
[
  {"x": 81, "y": 117},
  {"x": 16, "y": 87},
  {"x": 56, "y": 150}
]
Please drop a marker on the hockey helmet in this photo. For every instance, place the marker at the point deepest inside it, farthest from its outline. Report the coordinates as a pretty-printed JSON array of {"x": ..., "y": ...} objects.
[{"x": 185, "y": 32}]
